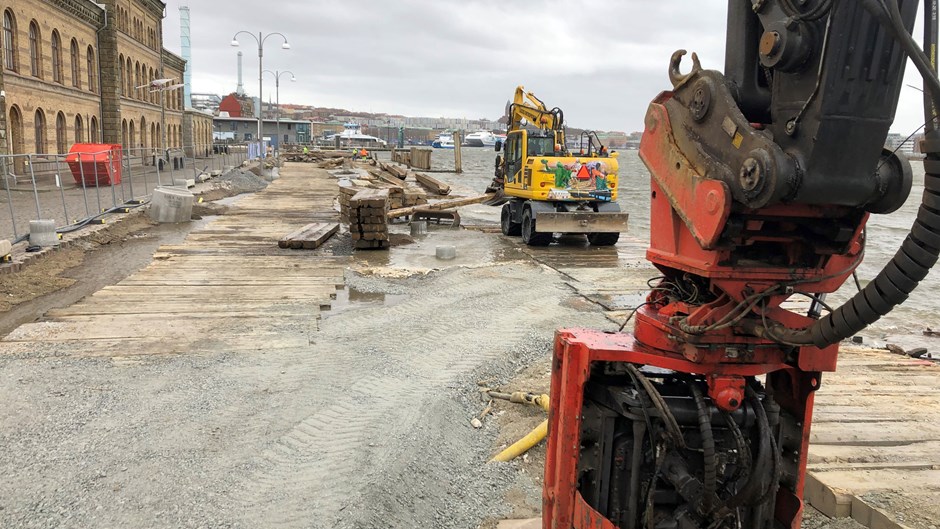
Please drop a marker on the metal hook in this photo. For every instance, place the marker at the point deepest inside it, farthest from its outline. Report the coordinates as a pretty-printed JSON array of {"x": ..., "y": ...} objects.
[{"x": 675, "y": 76}]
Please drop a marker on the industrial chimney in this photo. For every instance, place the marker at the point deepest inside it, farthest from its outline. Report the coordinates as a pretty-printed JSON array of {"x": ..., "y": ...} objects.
[
  {"x": 187, "y": 56},
  {"x": 240, "y": 90}
]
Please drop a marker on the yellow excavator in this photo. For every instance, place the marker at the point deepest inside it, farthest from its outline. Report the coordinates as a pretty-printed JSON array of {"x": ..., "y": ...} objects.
[{"x": 544, "y": 188}]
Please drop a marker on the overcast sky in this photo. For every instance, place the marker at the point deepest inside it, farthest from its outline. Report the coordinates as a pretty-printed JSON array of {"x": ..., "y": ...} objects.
[{"x": 600, "y": 61}]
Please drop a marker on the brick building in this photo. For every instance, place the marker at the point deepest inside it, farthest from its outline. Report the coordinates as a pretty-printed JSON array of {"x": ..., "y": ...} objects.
[{"x": 73, "y": 72}]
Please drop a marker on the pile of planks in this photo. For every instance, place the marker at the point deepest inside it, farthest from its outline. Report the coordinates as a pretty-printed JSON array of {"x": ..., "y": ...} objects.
[
  {"x": 309, "y": 237},
  {"x": 368, "y": 210},
  {"x": 347, "y": 190}
]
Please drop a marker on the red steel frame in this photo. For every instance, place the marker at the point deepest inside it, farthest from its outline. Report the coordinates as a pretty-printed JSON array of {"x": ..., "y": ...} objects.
[{"x": 688, "y": 214}]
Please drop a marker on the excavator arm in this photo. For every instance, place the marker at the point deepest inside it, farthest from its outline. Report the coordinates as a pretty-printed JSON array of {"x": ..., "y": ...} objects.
[
  {"x": 526, "y": 106},
  {"x": 763, "y": 178}
]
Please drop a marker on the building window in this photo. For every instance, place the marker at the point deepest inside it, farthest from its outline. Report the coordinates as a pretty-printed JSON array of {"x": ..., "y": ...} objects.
[
  {"x": 76, "y": 68},
  {"x": 56, "y": 57},
  {"x": 40, "y": 122},
  {"x": 35, "y": 50},
  {"x": 121, "y": 75},
  {"x": 16, "y": 130},
  {"x": 79, "y": 129},
  {"x": 130, "y": 78},
  {"x": 61, "y": 138},
  {"x": 92, "y": 70},
  {"x": 137, "y": 80},
  {"x": 94, "y": 129},
  {"x": 9, "y": 41}
]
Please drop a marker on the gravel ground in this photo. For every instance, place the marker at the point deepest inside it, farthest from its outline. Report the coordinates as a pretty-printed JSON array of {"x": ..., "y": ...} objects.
[{"x": 368, "y": 426}]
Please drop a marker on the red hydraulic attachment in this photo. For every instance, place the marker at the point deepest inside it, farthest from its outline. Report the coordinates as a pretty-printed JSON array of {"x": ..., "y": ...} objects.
[{"x": 723, "y": 340}]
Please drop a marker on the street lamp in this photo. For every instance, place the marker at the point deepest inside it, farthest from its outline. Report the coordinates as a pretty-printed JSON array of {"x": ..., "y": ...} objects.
[
  {"x": 260, "y": 38},
  {"x": 277, "y": 97}
]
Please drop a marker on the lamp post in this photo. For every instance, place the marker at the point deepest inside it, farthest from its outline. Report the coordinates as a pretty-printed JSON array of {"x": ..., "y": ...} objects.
[
  {"x": 277, "y": 98},
  {"x": 260, "y": 38}
]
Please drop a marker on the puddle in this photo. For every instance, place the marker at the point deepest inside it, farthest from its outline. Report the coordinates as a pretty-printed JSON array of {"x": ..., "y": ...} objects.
[{"x": 349, "y": 298}]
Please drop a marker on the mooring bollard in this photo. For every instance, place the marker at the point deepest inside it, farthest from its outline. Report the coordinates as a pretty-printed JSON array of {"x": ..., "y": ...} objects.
[
  {"x": 446, "y": 252},
  {"x": 419, "y": 227},
  {"x": 42, "y": 233}
]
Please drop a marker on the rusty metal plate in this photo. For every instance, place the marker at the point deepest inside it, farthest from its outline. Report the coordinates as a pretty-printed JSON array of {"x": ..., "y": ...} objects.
[{"x": 586, "y": 222}]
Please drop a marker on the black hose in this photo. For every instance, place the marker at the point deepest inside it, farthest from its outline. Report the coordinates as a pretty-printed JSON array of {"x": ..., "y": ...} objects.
[
  {"x": 751, "y": 489},
  {"x": 919, "y": 251},
  {"x": 710, "y": 460}
]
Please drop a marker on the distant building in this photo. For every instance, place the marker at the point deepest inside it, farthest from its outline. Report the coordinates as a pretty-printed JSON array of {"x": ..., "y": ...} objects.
[
  {"x": 237, "y": 106},
  {"x": 240, "y": 128},
  {"x": 207, "y": 102}
]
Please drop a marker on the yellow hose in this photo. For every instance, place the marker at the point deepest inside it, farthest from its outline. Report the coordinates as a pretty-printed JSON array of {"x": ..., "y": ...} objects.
[{"x": 523, "y": 445}]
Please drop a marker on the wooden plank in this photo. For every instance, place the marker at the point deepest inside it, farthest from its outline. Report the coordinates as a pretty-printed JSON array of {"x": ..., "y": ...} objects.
[
  {"x": 309, "y": 237},
  {"x": 443, "y": 204},
  {"x": 432, "y": 184}
]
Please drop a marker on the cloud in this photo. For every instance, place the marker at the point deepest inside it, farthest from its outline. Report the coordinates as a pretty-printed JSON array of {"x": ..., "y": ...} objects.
[{"x": 601, "y": 61}]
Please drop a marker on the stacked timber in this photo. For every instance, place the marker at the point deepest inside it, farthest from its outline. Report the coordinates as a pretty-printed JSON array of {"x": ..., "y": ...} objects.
[
  {"x": 403, "y": 197},
  {"x": 401, "y": 157},
  {"x": 347, "y": 190},
  {"x": 368, "y": 225}
]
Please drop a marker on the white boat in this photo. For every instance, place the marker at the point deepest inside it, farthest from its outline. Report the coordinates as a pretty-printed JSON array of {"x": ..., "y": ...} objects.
[
  {"x": 352, "y": 136},
  {"x": 480, "y": 138},
  {"x": 444, "y": 141}
]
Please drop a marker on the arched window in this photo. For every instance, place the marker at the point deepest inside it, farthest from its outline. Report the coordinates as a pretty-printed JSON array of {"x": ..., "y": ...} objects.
[
  {"x": 10, "y": 55},
  {"x": 137, "y": 81},
  {"x": 56, "y": 57},
  {"x": 143, "y": 132},
  {"x": 153, "y": 134},
  {"x": 61, "y": 135},
  {"x": 40, "y": 125},
  {"x": 131, "y": 135},
  {"x": 130, "y": 78},
  {"x": 150, "y": 95},
  {"x": 94, "y": 129},
  {"x": 92, "y": 71},
  {"x": 121, "y": 74},
  {"x": 76, "y": 67},
  {"x": 16, "y": 130},
  {"x": 159, "y": 137},
  {"x": 79, "y": 129},
  {"x": 124, "y": 138},
  {"x": 35, "y": 50}
]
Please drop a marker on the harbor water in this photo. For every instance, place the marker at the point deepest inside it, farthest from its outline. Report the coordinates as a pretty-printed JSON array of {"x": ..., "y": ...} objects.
[{"x": 884, "y": 236}]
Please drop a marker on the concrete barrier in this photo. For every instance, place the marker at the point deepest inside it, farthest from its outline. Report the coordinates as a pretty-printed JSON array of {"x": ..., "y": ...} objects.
[
  {"x": 42, "y": 233},
  {"x": 171, "y": 205},
  {"x": 419, "y": 227},
  {"x": 446, "y": 252}
]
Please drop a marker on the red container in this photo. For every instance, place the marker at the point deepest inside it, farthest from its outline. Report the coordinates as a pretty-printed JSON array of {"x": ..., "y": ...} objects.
[{"x": 98, "y": 163}]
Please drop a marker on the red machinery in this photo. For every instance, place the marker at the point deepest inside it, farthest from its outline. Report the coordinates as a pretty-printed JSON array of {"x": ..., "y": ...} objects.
[{"x": 762, "y": 181}]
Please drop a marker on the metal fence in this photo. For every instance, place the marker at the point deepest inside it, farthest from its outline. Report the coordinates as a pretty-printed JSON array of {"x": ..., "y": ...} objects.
[{"x": 80, "y": 188}]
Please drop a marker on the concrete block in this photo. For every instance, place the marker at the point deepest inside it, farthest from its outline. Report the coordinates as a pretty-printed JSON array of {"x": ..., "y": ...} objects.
[
  {"x": 529, "y": 523},
  {"x": 446, "y": 252},
  {"x": 171, "y": 205},
  {"x": 42, "y": 233},
  {"x": 185, "y": 183},
  {"x": 5, "y": 247},
  {"x": 419, "y": 227}
]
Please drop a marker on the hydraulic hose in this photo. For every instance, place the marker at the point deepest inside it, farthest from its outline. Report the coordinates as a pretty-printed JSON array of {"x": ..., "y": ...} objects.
[
  {"x": 523, "y": 445},
  {"x": 920, "y": 250}
]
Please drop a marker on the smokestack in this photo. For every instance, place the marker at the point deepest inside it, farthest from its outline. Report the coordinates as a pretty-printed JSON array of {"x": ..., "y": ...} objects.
[
  {"x": 240, "y": 90},
  {"x": 187, "y": 56}
]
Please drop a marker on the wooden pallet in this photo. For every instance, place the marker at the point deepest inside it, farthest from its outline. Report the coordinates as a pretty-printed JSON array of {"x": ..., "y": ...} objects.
[{"x": 309, "y": 237}]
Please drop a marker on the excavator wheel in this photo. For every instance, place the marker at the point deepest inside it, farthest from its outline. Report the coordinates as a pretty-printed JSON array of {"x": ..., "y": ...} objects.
[
  {"x": 509, "y": 228},
  {"x": 603, "y": 239},
  {"x": 529, "y": 235}
]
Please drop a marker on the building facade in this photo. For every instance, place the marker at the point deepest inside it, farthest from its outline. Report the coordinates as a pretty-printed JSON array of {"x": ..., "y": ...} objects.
[
  {"x": 239, "y": 129},
  {"x": 74, "y": 72}
]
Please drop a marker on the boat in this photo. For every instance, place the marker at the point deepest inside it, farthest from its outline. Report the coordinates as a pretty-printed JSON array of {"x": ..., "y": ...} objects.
[
  {"x": 444, "y": 140},
  {"x": 480, "y": 138},
  {"x": 352, "y": 136}
]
